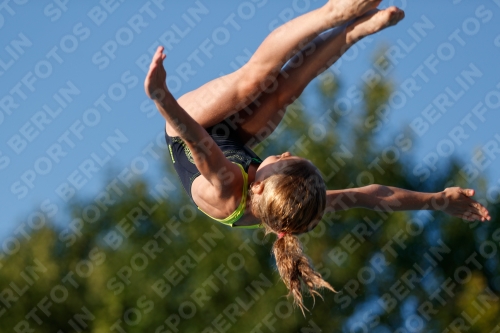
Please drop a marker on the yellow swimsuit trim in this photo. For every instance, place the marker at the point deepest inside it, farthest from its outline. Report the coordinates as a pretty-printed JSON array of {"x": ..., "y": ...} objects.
[{"x": 240, "y": 211}]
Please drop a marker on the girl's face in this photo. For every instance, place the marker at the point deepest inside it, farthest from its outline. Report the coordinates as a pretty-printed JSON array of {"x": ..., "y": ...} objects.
[{"x": 273, "y": 164}]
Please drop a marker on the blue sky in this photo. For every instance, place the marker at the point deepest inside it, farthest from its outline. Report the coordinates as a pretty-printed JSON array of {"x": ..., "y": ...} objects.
[{"x": 73, "y": 111}]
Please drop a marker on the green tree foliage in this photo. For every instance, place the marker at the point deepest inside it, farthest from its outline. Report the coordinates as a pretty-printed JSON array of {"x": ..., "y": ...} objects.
[{"x": 148, "y": 261}]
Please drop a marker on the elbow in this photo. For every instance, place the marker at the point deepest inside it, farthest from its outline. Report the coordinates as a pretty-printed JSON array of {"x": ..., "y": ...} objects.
[
  {"x": 373, "y": 189},
  {"x": 372, "y": 196},
  {"x": 380, "y": 191}
]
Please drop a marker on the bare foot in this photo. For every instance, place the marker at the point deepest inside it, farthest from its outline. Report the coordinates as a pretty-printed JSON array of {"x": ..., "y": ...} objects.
[
  {"x": 346, "y": 10},
  {"x": 374, "y": 21}
]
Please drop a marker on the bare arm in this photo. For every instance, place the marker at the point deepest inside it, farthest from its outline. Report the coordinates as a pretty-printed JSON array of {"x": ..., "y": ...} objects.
[
  {"x": 208, "y": 157},
  {"x": 454, "y": 201}
]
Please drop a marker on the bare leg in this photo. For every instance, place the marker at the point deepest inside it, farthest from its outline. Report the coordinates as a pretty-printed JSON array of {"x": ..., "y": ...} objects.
[
  {"x": 257, "y": 121},
  {"x": 224, "y": 96}
]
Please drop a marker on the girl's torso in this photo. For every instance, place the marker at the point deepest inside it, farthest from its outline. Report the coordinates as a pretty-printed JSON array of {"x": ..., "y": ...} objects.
[{"x": 218, "y": 205}]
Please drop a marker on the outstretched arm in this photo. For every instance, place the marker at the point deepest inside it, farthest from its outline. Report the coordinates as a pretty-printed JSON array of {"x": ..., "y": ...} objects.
[
  {"x": 454, "y": 201},
  {"x": 208, "y": 157}
]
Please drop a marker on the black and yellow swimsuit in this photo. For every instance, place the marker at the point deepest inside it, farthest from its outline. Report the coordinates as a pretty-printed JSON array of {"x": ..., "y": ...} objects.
[{"x": 233, "y": 149}]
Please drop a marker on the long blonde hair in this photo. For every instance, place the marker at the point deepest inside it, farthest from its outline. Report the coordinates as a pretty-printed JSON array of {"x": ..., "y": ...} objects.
[{"x": 292, "y": 203}]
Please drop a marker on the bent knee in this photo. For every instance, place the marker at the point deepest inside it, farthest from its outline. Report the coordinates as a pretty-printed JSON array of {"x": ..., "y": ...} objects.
[{"x": 253, "y": 80}]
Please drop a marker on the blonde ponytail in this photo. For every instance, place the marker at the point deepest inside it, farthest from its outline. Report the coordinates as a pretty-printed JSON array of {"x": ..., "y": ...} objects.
[{"x": 294, "y": 268}]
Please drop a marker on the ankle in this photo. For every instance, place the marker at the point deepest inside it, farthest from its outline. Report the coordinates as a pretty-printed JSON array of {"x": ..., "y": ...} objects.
[
  {"x": 352, "y": 34},
  {"x": 333, "y": 16}
]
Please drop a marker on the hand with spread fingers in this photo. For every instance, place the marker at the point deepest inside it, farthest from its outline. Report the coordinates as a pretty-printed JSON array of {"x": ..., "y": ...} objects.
[{"x": 458, "y": 203}]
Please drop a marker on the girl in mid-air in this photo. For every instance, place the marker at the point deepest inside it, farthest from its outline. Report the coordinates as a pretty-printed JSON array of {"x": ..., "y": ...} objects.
[{"x": 210, "y": 132}]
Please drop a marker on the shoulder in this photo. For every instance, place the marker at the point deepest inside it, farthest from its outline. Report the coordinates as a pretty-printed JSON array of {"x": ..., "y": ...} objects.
[{"x": 219, "y": 202}]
